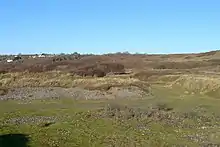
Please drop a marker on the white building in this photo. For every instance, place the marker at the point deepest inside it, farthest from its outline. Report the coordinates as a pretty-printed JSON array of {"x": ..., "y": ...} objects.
[
  {"x": 41, "y": 56},
  {"x": 9, "y": 60}
]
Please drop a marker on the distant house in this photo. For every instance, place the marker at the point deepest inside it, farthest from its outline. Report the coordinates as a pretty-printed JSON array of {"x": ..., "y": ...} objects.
[
  {"x": 50, "y": 56},
  {"x": 9, "y": 60},
  {"x": 17, "y": 58},
  {"x": 41, "y": 56},
  {"x": 32, "y": 56},
  {"x": 45, "y": 55}
]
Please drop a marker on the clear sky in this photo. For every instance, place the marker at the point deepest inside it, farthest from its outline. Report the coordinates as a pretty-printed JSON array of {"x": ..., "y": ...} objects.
[{"x": 101, "y": 26}]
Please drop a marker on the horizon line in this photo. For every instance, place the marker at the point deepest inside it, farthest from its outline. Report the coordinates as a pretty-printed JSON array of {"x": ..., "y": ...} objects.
[{"x": 123, "y": 52}]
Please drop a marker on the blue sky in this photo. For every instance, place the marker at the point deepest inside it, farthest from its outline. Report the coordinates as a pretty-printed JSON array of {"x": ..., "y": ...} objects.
[{"x": 101, "y": 26}]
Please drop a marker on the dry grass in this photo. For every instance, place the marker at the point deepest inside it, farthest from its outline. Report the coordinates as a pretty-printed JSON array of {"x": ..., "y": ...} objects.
[
  {"x": 185, "y": 64},
  {"x": 56, "y": 79},
  {"x": 191, "y": 83},
  {"x": 92, "y": 72},
  {"x": 22, "y": 79},
  {"x": 196, "y": 83},
  {"x": 109, "y": 82}
]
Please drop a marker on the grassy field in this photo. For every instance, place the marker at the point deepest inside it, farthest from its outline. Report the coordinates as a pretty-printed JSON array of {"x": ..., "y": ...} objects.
[
  {"x": 178, "y": 101},
  {"x": 168, "y": 118}
]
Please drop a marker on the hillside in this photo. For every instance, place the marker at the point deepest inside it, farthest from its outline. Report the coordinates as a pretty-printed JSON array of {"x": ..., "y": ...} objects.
[{"x": 111, "y": 62}]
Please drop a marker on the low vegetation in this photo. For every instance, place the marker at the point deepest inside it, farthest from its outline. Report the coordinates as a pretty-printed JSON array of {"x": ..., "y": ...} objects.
[
  {"x": 56, "y": 79},
  {"x": 178, "y": 106},
  {"x": 161, "y": 121},
  {"x": 3, "y": 91}
]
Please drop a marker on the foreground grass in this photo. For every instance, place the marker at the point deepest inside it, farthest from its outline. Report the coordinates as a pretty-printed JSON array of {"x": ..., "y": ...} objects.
[{"x": 164, "y": 120}]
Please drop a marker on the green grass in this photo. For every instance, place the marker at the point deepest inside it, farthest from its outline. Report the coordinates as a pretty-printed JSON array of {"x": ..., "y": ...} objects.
[{"x": 83, "y": 123}]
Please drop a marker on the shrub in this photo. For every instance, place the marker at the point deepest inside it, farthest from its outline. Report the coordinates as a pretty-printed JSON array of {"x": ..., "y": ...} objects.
[
  {"x": 112, "y": 67},
  {"x": 3, "y": 91}
]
